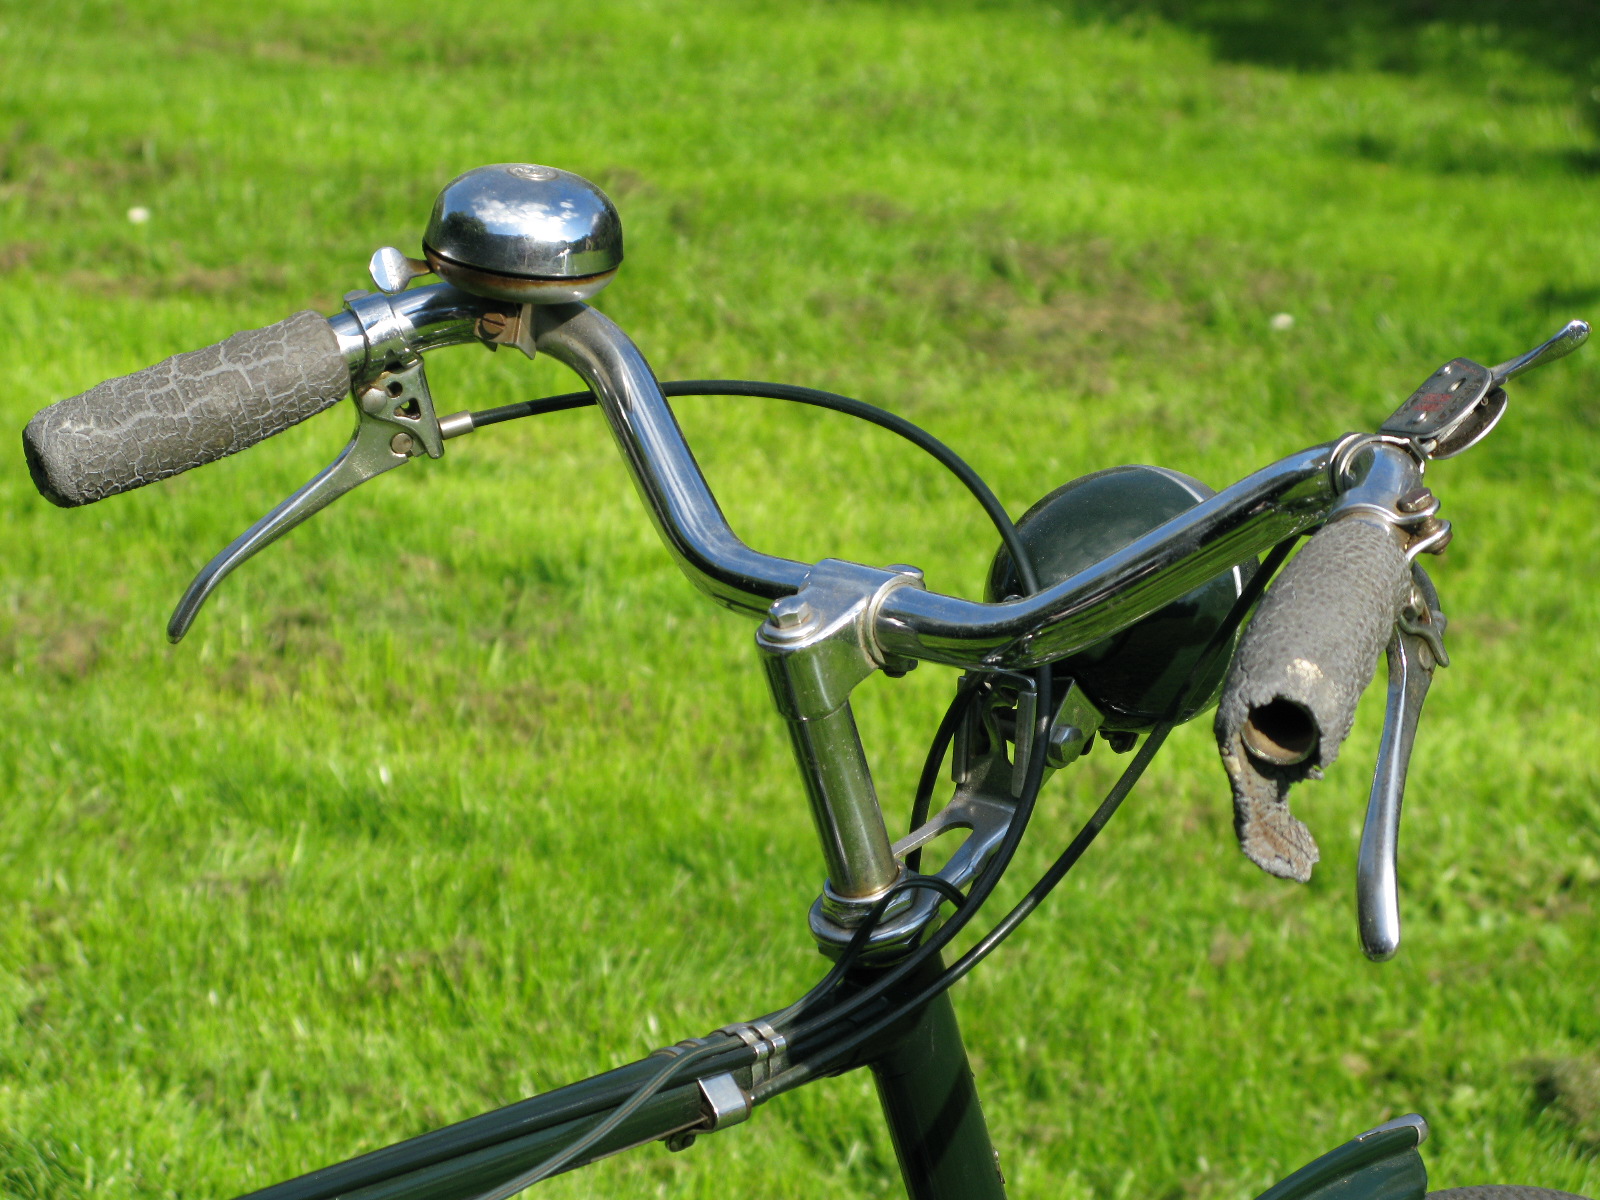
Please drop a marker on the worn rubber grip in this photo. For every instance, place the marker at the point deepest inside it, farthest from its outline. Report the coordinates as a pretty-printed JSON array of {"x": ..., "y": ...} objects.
[
  {"x": 1290, "y": 696},
  {"x": 185, "y": 412}
]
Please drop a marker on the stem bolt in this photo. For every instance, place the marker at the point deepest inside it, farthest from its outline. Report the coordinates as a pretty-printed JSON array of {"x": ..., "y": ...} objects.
[{"x": 789, "y": 612}]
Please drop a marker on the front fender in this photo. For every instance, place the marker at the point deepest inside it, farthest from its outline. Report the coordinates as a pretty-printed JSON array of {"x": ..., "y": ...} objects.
[{"x": 1380, "y": 1164}]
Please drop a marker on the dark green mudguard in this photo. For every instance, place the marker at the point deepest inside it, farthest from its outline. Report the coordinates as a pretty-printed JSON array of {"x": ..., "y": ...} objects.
[{"x": 1381, "y": 1164}]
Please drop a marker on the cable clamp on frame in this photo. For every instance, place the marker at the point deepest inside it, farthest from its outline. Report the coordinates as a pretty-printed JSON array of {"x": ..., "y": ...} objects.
[{"x": 772, "y": 1049}]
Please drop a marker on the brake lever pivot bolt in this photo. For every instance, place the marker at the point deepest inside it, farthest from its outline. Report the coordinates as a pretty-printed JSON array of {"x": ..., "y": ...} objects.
[
  {"x": 1439, "y": 531},
  {"x": 1063, "y": 740},
  {"x": 1415, "y": 500}
]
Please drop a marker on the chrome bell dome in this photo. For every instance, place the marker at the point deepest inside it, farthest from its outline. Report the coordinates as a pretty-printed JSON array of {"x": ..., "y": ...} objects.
[{"x": 524, "y": 233}]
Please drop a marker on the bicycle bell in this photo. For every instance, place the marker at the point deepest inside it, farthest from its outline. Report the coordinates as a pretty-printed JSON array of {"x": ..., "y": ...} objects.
[
  {"x": 1134, "y": 676},
  {"x": 524, "y": 233}
]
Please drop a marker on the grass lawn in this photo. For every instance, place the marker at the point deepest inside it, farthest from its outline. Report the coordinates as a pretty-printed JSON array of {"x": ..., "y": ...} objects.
[{"x": 462, "y": 792}]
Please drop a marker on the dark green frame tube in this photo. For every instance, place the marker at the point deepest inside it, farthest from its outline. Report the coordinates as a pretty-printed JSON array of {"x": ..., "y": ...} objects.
[
  {"x": 472, "y": 1174},
  {"x": 920, "y": 1066},
  {"x": 931, "y": 1106},
  {"x": 924, "y": 1085},
  {"x": 925, "y": 1088},
  {"x": 466, "y": 1159}
]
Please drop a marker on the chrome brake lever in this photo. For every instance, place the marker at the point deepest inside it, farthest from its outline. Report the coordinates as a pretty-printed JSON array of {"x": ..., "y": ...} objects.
[
  {"x": 503, "y": 238},
  {"x": 1416, "y": 648},
  {"x": 395, "y": 423}
]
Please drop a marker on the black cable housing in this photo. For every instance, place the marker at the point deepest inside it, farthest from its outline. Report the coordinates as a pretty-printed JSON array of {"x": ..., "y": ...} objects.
[
  {"x": 1034, "y": 775},
  {"x": 1033, "y": 780},
  {"x": 816, "y": 398}
]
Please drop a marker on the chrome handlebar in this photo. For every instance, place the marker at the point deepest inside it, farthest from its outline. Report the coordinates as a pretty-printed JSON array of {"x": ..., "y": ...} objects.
[
  {"x": 523, "y": 277},
  {"x": 382, "y": 333},
  {"x": 385, "y": 334},
  {"x": 1241, "y": 522}
]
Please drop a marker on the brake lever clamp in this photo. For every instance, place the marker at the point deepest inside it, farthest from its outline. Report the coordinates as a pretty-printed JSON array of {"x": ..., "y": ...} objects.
[
  {"x": 1414, "y": 512},
  {"x": 1457, "y": 406},
  {"x": 1415, "y": 649},
  {"x": 395, "y": 423}
]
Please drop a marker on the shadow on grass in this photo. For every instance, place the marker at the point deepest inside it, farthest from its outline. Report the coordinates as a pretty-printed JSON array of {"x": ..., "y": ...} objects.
[
  {"x": 1386, "y": 34},
  {"x": 1313, "y": 35},
  {"x": 1482, "y": 43}
]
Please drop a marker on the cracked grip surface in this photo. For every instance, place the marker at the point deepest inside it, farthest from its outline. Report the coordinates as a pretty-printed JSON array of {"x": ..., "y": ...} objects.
[
  {"x": 185, "y": 412},
  {"x": 1313, "y": 642}
]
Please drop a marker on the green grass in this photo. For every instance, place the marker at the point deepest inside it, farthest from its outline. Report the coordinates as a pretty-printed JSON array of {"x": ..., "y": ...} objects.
[{"x": 462, "y": 792}]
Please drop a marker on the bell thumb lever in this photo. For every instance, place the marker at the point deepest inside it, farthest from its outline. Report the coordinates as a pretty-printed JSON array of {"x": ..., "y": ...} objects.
[
  {"x": 395, "y": 423},
  {"x": 1572, "y": 335},
  {"x": 1415, "y": 649}
]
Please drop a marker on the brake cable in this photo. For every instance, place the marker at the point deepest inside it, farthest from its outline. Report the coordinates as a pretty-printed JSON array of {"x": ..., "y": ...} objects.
[
  {"x": 1020, "y": 912},
  {"x": 847, "y": 405},
  {"x": 1032, "y": 782},
  {"x": 1034, "y": 777}
]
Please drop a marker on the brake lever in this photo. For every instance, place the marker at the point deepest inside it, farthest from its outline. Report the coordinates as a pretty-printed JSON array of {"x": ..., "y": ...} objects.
[
  {"x": 1453, "y": 410},
  {"x": 1415, "y": 649},
  {"x": 395, "y": 423},
  {"x": 1457, "y": 406}
]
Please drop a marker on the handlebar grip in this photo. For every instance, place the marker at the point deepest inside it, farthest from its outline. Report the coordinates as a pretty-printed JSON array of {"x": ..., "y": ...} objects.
[
  {"x": 1291, "y": 693},
  {"x": 185, "y": 412}
]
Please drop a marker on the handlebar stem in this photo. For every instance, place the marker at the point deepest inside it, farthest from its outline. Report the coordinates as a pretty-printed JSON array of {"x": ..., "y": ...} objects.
[{"x": 815, "y": 649}]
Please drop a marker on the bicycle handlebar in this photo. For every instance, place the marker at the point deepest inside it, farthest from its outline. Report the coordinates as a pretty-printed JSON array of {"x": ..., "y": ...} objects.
[
  {"x": 1307, "y": 657},
  {"x": 1287, "y": 705},
  {"x": 99, "y": 443}
]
